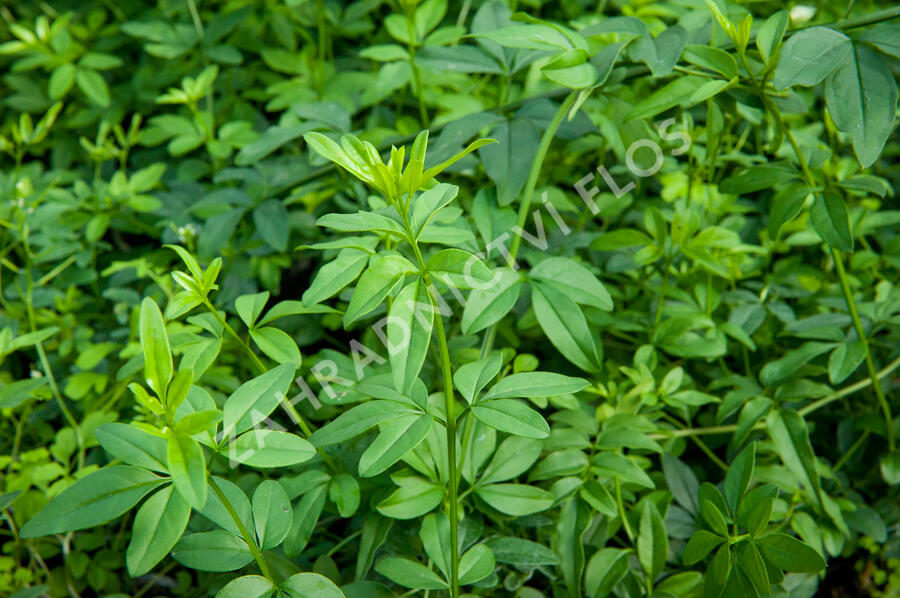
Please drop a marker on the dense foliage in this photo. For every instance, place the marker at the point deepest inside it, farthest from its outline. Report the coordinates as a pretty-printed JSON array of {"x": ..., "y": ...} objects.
[{"x": 378, "y": 298}]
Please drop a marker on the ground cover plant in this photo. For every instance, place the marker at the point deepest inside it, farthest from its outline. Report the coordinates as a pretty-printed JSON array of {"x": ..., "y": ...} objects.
[{"x": 385, "y": 298}]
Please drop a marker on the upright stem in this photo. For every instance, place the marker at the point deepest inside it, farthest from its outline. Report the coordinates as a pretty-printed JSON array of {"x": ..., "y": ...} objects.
[
  {"x": 450, "y": 416},
  {"x": 870, "y": 364},
  {"x": 528, "y": 193},
  {"x": 451, "y": 457},
  {"x": 772, "y": 108},
  {"x": 536, "y": 164}
]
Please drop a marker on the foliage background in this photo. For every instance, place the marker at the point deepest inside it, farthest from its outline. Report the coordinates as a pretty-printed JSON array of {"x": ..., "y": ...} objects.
[{"x": 128, "y": 126}]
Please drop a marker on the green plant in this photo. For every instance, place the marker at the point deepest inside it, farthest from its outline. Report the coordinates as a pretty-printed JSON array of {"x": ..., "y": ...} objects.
[{"x": 440, "y": 298}]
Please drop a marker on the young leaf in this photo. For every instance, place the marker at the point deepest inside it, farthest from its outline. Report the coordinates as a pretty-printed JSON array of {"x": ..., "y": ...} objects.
[
  {"x": 188, "y": 468},
  {"x": 155, "y": 345}
]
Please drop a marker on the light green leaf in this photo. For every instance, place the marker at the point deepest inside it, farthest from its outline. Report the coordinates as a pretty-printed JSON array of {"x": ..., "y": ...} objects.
[
  {"x": 272, "y": 514},
  {"x": 513, "y": 417},
  {"x": 254, "y": 400}
]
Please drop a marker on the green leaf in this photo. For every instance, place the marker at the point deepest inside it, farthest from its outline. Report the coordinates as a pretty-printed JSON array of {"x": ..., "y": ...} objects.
[
  {"x": 212, "y": 551},
  {"x": 273, "y": 223},
  {"x": 790, "y": 435},
  {"x": 531, "y": 37},
  {"x": 61, "y": 81},
  {"x": 277, "y": 345},
  {"x": 155, "y": 345},
  {"x": 472, "y": 377},
  {"x": 381, "y": 277},
  {"x": 702, "y": 542},
  {"x": 508, "y": 162},
  {"x": 786, "y": 204},
  {"x": 605, "y": 569},
  {"x": 890, "y": 468},
  {"x": 861, "y": 96},
  {"x": 410, "y": 574},
  {"x": 409, "y": 333},
  {"x": 344, "y": 493},
  {"x": 335, "y": 275},
  {"x": 272, "y": 514},
  {"x": 92, "y": 501},
  {"x": 565, "y": 325},
  {"x": 158, "y": 525},
  {"x": 429, "y": 203},
  {"x": 652, "y": 541},
  {"x": 249, "y": 307},
  {"x": 361, "y": 222},
  {"x": 620, "y": 238},
  {"x": 255, "y": 399},
  {"x": 758, "y": 178},
  {"x": 476, "y": 564},
  {"x": 513, "y": 417},
  {"x": 460, "y": 269},
  {"x": 712, "y": 58},
  {"x": 187, "y": 465},
  {"x": 93, "y": 85},
  {"x": 535, "y": 384},
  {"x": 270, "y": 448},
  {"x": 216, "y": 511},
  {"x": 682, "y": 482},
  {"x": 415, "y": 497},
  {"x": 247, "y": 586},
  {"x": 357, "y": 420},
  {"x": 612, "y": 465},
  {"x": 517, "y": 500},
  {"x": 769, "y": 36},
  {"x": 485, "y": 307},
  {"x": 662, "y": 52},
  {"x": 573, "y": 279},
  {"x": 830, "y": 219},
  {"x": 311, "y": 585},
  {"x": 521, "y": 552},
  {"x": 678, "y": 92},
  {"x": 397, "y": 437},
  {"x": 306, "y": 516},
  {"x": 809, "y": 56},
  {"x": 435, "y": 535},
  {"x": 790, "y": 554},
  {"x": 133, "y": 446},
  {"x": 514, "y": 456},
  {"x": 844, "y": 360},
  {"x": 777, "y": 371},
  {"x": 740, "y": 473}
]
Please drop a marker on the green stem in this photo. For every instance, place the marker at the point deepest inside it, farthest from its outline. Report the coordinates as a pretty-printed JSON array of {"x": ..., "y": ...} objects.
[
  {"x": 812, "y": 407},
  {"x": 535, "y": 171},
  {"x": 248, "y": 539},
  {"x": 450, "y": 417},
  {"x": 621, "y": 507},
  {"x": 451, "y": 457},
  {"x": 198, "y": 26},
  {"x": 870, "y": 363},
  {"x": 836, "y": 256}
]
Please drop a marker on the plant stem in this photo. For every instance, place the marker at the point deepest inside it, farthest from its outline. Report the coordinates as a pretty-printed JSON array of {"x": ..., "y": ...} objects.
[
  {"x": 451, "y": 456},
  {"x": 842, "y": 275},
  {"x": 870, "y": 363},
  {"x": 449, "y": 416},
  {"x": 535, "y": 171},
  {"x": 248, "y": 539},
  {"x": 812, "y": 407},
  {"x": 621, "y": 507}
]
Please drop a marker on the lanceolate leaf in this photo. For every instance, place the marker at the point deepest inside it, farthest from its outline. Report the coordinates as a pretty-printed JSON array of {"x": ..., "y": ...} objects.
[
  {"x": 409, "y": 333},
  {"x": 93, "y": 500},
  {"x": 155, "y": 344},
  {"x": 254, "y": 400}
]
